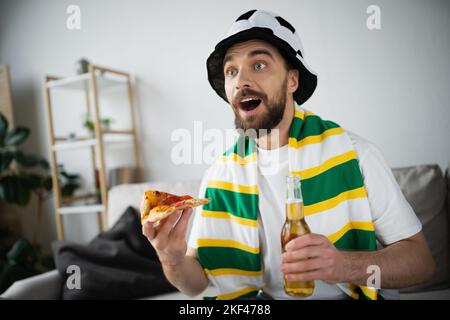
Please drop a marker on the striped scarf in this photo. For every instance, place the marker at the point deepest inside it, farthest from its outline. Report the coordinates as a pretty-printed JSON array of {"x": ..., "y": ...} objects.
[{"x": 335, "y": 205}]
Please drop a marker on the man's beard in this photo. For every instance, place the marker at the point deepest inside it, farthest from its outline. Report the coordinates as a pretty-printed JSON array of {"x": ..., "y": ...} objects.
[{"x": 267, "y": 119}]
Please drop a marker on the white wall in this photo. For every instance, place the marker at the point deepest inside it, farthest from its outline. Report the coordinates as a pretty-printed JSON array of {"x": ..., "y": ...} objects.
[{"x": 389, "y": 86}]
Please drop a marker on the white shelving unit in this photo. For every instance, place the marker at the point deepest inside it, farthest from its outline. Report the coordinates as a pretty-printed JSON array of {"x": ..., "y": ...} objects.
[
  {"x": 79, "y": 82},
  {"x": 107, "y": 139},
  {"x": 81, "y": 209},
  {"x": 98, "y": 78}
]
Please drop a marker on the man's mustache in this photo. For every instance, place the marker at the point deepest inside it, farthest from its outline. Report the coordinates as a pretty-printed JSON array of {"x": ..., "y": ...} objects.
[{"x": 248, "y": 92}]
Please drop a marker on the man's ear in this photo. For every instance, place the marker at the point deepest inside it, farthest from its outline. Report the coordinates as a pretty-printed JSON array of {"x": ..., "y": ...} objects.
[{"x": 292, "y": 80}]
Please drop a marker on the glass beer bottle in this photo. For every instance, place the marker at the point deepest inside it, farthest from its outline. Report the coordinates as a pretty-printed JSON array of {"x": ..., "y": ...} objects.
[{"x": 295, "y": 226}]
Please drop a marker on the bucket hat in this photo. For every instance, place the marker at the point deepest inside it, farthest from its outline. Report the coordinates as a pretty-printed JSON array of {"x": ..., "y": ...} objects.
[{"x": 269, "y": 27}]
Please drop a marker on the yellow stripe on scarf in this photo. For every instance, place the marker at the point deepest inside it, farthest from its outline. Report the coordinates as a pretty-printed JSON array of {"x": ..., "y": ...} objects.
[
  {"x": 227, "y": 244},
  {"x": 236, "y": 294},
  {"x": 360, "y": 225},
  {"x": 334, "y": 202},
  {"x": 237, "y": 272},
  {"x": 294, "y": 143},
  {"x": 301, "y": 115},
  {"x": 233, "y": 157},
  {"x": 352, "y": 287},
  {"x": 328, "y": 164},
  {"x": 226, "y": 215},
  {"x": 371, "y": 293},
  {"x": 368, "y": 292},
  {"x": 233, "y": 187}
]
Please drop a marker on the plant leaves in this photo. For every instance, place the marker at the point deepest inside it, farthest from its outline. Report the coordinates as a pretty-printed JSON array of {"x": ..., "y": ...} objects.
[
  {"x": 16, "y": 136},
  {"x": 5, "y": 159},
  {"x": 69, "y": 177},
  {"x": 48, "y": 183},
  {"x": 25, "y": 160},
  {"x": 32, "y": 181},
  {"x": 44, "y": 164},
  {"x": 68, "y": 189},
  {"x": 20, "y": 251},
  {"x": 28, "y": 160},
  {"x": 3, "y": 128},
  {"x": 64, "y": 174},
  {"x": 73, "y": 177},
  {"x": 2, "y": 190},
  {"x": 9, "y": 184},
  {"x": 23, "y": 194},
  {"x": 15, "y": 190}
]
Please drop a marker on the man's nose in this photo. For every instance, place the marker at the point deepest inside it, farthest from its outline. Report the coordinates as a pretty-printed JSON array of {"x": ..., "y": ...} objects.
[{"x": 243, "y": 80}]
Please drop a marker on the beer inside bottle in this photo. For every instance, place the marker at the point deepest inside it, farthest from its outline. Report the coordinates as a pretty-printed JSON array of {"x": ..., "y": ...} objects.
[{"x": 295, "y": 226}]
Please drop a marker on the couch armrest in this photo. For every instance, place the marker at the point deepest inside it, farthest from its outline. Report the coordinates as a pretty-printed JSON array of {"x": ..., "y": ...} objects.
[{"x": 46, "y": 286}]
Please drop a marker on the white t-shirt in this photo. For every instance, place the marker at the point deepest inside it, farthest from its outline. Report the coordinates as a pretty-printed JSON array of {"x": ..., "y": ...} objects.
[{"x": 393, "y": 217}]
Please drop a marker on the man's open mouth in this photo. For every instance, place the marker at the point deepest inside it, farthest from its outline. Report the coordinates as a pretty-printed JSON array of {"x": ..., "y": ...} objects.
[{"x": 249, "y": 103}]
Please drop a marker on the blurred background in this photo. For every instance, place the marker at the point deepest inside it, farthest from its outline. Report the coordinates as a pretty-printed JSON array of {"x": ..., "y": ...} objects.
[{"x": 388, "y": 85}]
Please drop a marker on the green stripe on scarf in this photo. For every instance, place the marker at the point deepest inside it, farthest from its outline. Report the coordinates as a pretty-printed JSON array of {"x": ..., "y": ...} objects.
[
  {"x": 242, "y": 149},
  {"x": 241, "y": 205},
  {"x": 332, "y": 182},
  {"x": 222, "y": 257},
  {"x": 355, "y": 239},
  {"x": 316, "y": 126}
]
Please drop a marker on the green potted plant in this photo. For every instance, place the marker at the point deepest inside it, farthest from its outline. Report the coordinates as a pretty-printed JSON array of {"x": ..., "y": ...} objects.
[
  {"x": 22, "y": 176},
  {"x": 69, "y": 182},
  {"x": 88, "y": 123}
]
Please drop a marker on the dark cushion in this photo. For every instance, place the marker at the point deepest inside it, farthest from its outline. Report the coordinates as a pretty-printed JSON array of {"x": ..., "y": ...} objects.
[
  {"x": 119, "y": 263},
  {"x": 425, "y": 188}
]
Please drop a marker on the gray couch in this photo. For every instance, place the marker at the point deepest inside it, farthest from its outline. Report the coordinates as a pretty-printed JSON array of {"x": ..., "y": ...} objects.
[{"x": 425, "y": 187}]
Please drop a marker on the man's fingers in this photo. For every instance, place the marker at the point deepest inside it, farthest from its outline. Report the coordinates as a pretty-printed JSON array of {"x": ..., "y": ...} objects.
[
  {"x": 174, "y": 225},
  {"x": 303, "y": 266},
  {"x": 310, "y": 239},
  {"x": 166, "y": 225},
  {"x": 148, "y": 230},
  {"x": 303, "y": 253},
  {"x": 181, "y": 226}
]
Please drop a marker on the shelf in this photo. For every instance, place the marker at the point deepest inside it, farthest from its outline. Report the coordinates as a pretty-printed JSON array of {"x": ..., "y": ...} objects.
[
  {"x": 104, "y": 132},
  {"x": 72, "y": 199},
  {"x": 78, "y": 82},
  {"x": 77, "y": 144},
  {"x": 70, "y": 145},
  {"x": 92, "y": 208},
  {"x": 117, "y": 131}
]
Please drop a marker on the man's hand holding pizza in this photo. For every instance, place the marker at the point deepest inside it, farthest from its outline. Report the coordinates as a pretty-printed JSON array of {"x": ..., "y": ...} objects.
[
  {"x": 168, "y": 236},
  {"x": 165, "y": 218}
]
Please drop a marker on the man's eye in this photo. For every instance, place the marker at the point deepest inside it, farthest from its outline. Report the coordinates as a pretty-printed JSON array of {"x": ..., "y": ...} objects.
[
  {"x": 259, "y": 66},
  {"x": 230, "y": 72}
]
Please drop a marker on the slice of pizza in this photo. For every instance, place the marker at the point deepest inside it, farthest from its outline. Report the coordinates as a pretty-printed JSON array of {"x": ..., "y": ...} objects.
[{"x": 157, "y": 205}]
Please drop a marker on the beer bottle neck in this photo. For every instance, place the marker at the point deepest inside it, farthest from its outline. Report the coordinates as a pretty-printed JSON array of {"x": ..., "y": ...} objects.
[
  {"x": 294, "y": 211},
  {"x": 294, "y": 199},
  {"x": 293, "y": 190}
]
